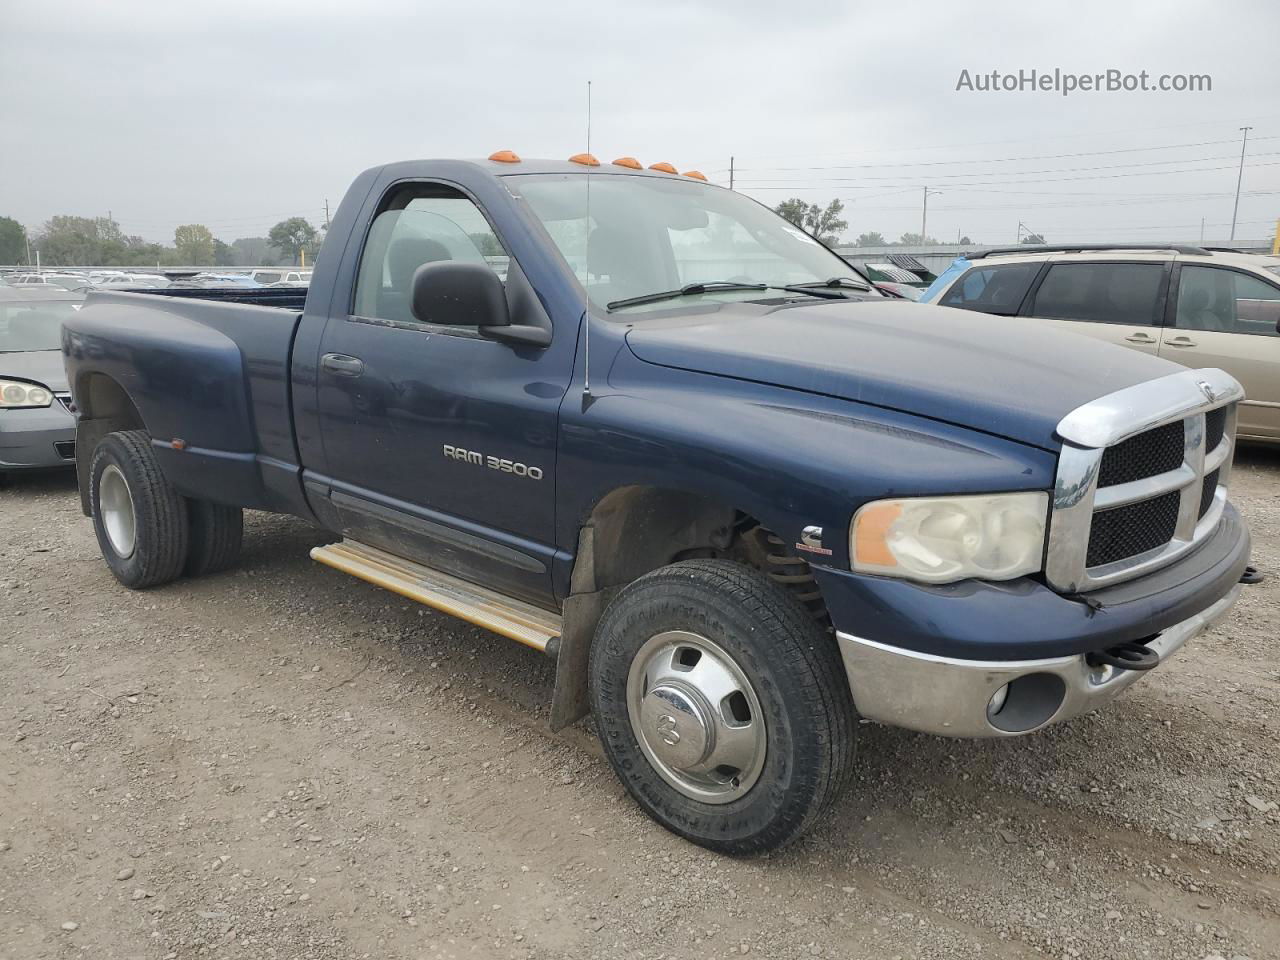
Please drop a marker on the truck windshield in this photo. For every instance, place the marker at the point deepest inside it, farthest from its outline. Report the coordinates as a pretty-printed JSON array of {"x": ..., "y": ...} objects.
[{"x": 645, "y": 235}]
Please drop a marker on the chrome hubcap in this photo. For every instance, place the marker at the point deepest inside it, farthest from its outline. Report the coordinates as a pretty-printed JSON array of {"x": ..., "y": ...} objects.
[
  {"x": 116, "y": 503},
  {"x": 696, "y": 717}
]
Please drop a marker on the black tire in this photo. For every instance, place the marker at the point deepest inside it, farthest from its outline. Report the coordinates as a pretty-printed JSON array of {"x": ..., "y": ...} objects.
[
  {"x": 160, "y": 514},
  {"x": 216, "y": 534},
  {"x": 795, "y": 670}
]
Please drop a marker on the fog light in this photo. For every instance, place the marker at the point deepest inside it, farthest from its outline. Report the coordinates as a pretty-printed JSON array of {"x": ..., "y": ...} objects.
[{"x": 998, "y": 700}]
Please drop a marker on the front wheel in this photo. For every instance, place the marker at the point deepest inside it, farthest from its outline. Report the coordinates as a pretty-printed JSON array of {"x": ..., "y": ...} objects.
[{"x": 722, "y": 705}]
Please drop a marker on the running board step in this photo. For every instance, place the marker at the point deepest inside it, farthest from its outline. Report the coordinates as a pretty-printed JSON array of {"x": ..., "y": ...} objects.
[{"x": 516, "y": 619}]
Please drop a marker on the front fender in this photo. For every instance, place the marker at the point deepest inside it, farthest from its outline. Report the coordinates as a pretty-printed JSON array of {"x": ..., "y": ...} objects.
[{"x": 788, "y": 458}]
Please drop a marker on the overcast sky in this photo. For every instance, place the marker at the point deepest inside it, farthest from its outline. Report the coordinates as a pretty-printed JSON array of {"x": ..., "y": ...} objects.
[{"x": 237, "y": 115}]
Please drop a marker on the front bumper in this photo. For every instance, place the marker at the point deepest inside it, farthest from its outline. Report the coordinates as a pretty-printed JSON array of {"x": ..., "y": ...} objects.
[
  {"x": 35, "y": 438},
  {"x": 930, "y": 657},
  {"x": 950, "y": 697}
]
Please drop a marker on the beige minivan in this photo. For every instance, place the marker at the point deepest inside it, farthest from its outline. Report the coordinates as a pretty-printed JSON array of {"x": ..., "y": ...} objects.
[{"x": 1197, "y": 306}]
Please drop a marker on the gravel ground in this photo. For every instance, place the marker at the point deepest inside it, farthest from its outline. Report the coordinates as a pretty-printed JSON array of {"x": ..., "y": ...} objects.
[{"x": 282, "y": 762}]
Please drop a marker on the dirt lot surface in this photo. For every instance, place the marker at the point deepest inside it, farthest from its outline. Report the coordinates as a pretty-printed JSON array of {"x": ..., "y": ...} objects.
[{"x": 283, "y": 762}]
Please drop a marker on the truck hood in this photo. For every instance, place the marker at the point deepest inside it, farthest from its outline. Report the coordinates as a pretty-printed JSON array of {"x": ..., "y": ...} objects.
[
  {"x": 1006, "y": 376},
  {"x": 42, "y": 366}
]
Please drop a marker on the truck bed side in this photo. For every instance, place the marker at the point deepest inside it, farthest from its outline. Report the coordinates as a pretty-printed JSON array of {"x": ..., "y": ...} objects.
[{"x": 208, "y": 380}]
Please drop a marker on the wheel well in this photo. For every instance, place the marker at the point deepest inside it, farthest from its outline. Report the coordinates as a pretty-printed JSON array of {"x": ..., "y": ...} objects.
[
  {"x": 637, "y": 529},
  {"x": 101, "y": 398},
  {"x": 104, "y": 407}
]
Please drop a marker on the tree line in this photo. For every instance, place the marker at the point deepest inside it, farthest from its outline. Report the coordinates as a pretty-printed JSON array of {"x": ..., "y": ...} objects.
[
  {"x": 825, "y": 225},
  {"x": 67, "y": 241}
]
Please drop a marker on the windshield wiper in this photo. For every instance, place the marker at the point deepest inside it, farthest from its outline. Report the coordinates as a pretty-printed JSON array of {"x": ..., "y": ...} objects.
[
  {"x": 688, "y": 290},
  {"x": 828, "y": 288}
]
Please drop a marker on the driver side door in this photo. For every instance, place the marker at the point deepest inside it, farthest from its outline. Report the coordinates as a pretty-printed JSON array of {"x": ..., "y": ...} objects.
[{"x": 439, "y": 444}]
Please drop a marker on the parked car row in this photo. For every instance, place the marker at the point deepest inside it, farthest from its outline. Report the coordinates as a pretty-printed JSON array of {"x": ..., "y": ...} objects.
[
  {"x": 82, "y": 281},
  {"x": 76, "y": 280}
]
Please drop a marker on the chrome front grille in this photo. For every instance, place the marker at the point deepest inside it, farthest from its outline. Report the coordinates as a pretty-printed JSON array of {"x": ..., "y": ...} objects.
[
  {"x": 1141, "y": 478},
  {"x": 1132, "y": 529},
  {"x": 1146, "y": 455}
]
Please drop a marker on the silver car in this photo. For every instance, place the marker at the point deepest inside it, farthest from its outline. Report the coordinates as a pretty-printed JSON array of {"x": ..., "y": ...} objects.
[{"x": 37, "y": 426}]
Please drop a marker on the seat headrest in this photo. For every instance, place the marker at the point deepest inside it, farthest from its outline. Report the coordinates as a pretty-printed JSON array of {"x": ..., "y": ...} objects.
[{"x": 407, "y": 254}]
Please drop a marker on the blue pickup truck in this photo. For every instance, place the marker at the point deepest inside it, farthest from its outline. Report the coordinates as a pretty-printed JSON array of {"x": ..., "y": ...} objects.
[{"x": 640, "y": 423}]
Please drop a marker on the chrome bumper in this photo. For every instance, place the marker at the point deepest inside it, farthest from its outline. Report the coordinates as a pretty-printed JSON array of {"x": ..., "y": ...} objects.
[{"x": 950, "y": 697}]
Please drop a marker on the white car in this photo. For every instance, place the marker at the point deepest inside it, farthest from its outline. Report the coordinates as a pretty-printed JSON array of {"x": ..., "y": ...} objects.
[
  {"x": 53, "y": 281},
  {"x": 283, "y": 275}
]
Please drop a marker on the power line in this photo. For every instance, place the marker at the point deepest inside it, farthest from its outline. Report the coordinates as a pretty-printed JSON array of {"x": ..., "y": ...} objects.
[
  {"x": 1046, "y": 156},
  {"x": 1020, "y": 173},
  {"x": 1220, "y": 121},
  {"x": 810, "y": 185}
]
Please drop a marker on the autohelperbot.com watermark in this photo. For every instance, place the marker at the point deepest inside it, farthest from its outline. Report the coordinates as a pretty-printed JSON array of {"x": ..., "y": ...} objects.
[{"x": 1065, "y": 83}]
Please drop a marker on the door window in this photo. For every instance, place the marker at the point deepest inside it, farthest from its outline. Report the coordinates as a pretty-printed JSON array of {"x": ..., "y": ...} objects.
[
  {"x": 1225, "y": 301},
  {"x": 1127, "y": 293},
  {"x": 994, "y": 289},
  {"x": 426, "y": 225}
]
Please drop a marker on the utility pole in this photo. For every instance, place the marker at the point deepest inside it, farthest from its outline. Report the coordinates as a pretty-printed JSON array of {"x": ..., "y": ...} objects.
[
  {"x": 326, "y": 213},
  {"x": 924, "y": 213},
  {"x": 27, "y": 237},
  {"x": 1239, "y": 177},
  {"x": 1202, "y": 230},
  {"x": 731, "y": 173}
]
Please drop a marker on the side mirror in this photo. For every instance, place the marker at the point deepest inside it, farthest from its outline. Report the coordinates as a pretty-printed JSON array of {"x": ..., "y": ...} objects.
[{"x": 455, "y": 293}]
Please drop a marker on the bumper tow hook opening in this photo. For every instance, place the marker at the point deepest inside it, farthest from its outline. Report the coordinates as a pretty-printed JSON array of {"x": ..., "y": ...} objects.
[{"x": 1125, "y": 656}]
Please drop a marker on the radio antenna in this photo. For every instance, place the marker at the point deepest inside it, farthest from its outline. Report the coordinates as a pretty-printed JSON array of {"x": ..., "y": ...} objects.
[{"x": 586, "y": 285}]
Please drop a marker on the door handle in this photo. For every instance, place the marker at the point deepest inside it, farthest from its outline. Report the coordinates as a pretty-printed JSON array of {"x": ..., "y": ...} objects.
[
  {"x": 1180, "y": 342},
  {"x": 342, "y": 365},
  {"x": 1140, "y": 338}
]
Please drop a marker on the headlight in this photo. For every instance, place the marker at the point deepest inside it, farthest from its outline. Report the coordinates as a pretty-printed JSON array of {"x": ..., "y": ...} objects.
[
  {"x": 943, "y": 539},
  {"x": 14, "y": 394}
]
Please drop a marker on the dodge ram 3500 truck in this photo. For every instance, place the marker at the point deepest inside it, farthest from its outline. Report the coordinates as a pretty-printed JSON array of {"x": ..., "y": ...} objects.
[{"x": 642, "y": 424}]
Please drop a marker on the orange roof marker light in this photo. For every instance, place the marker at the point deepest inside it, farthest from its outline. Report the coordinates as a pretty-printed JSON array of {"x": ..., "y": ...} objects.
[
  {"x": 586, "y": 159},
  {"x": 663, "y": 167},
  {"x": 504, "y": 156},
  {"x": 631, "y": 162},
  {"x": 696, "y": 174}
]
